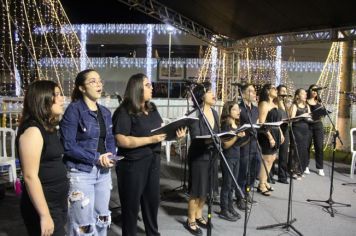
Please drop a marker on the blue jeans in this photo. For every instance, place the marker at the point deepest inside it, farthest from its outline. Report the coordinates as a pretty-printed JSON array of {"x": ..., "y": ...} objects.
[{"x": 89, "y": 196}]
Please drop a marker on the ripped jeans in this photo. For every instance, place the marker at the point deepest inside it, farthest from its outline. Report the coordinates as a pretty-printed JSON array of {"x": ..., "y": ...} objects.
[{"x": 89, "y": 196}]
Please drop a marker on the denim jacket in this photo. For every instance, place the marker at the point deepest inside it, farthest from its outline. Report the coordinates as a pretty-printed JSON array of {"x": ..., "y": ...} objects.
[{"x": 80, "y": 130}]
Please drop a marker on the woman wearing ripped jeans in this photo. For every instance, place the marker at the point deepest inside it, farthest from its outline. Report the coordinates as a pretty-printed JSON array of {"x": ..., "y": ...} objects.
[{"x": 86, "y": 132}]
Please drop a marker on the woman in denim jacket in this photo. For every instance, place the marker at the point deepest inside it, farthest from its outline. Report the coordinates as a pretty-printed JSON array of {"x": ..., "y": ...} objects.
[{"x": 86, "y": 131}]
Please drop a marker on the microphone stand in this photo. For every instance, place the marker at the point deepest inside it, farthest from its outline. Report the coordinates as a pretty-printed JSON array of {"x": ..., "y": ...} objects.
[
  {"x": 217, "y": 146},
  {"x": 329, "y": 208},
  {"x": 289, "y": 222},
  {"x": 254, "y": 134}
]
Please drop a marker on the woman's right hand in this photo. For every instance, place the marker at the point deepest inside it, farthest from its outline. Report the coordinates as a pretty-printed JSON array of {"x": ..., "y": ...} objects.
[
  {"x": 47, "y": 225},
  {"x": 158, "y": 138},
  {"x": 104, "y": 160}
]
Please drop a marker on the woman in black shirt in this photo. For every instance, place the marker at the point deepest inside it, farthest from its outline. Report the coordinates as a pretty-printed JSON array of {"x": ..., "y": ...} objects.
[
  {"x": 44, "y": 199},
  {"x": 316, "y": 129},
  {"x": 199, "y": 157},
  {"x": 230, "y": 116},
  {"x": 301, "y": 131},
  {"x": 138, "y": 174}
]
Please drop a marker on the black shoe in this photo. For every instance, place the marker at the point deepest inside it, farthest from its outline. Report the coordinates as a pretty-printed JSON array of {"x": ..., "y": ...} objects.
[
  {"x": 283, "y": 181},
  {"x": 241, "y": 204},
  {"x": 227, "y": 216},
  {"x": 197, "y": 231},
  {"x": 234, "y": 213}
]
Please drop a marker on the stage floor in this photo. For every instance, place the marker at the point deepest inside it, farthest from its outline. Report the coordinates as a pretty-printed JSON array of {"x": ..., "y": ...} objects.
[{"x": 311, "y": 218}]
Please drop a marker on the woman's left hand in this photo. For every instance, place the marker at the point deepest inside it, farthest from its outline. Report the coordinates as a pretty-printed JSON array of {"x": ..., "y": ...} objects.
[
  {"x": 181, "y": 132},
  {"x": 105, "y": 161}
]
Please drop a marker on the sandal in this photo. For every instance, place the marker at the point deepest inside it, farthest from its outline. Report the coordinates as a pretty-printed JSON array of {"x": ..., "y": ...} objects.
[
  {"x": 197, "y": 231},
  {"x": 202, "y": 222},
  {"x": 264, "y": 192},
  {"x": 269, "y": 188}
]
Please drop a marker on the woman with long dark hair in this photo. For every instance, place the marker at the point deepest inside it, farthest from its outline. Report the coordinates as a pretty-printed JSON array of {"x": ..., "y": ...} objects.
[
  {"x": 86, "y": 131},
  {"x": 44, "y": 197},
  {"x": 271, "y": 138},
  {"x": 316, "y": 129},
  {"x": 284, "y": 147},
  {"x": 138, "y": 174},
  {"x": 229, "y": 120},
  {"x": 301, "y": 131},
  {"x": 199, "y": 156}
]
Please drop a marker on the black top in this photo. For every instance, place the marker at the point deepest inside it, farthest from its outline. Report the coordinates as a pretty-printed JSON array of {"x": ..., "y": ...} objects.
[
  {"x": 101, "y": 143},
  {"x": 137, "y": 126},
  {"x": 274, "y": 115},
  {"x": 315, "y": 117},
  {"x": 284, "y": 126},
  {"x": 303, "y": 122},
  {"x": 253, "y": 111},
  {"x": 232, "y": 152},
  {"x": 52, "y": 170},
  {"x": 199, "y": 150}
]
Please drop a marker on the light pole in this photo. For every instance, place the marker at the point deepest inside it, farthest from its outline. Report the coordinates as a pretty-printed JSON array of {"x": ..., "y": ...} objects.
[{"x": 170, "y": 30}]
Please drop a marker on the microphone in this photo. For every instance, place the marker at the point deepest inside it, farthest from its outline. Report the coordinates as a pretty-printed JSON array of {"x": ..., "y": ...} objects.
[
  {"x": 119, "y": 98},
  {"x": 285, "y": 95},
  {"x": 318, "y": 88},
  {"x": 347, "y": 93}
]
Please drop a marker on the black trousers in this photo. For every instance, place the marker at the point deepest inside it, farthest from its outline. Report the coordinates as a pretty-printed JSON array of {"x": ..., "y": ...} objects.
[
  {"x": 56, "y": 197},
  {"x": 138, "y": 183},
  {"x": 283, "y": 157},
  {"x": 317, "y": 138},
  {"x": 248, "y": 156},
  {"x": 228, "y": 185},
  {"x": 302, "y": 139}
]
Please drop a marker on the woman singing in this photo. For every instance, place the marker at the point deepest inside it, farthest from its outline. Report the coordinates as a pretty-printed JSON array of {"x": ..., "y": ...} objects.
[
  {"x": 316, "y": 129},
  {"x": 230, "y": 116},
  {"x": 271, "y": 138},
  {"x": 138, "y": 174},
  {"x": 284, "y": 148},
  {"x": 199, "y": 156},
  {"x": 301, "y": 131},
  {"x": 86, "y": 130},
  {"x": 44, "y": 198}
]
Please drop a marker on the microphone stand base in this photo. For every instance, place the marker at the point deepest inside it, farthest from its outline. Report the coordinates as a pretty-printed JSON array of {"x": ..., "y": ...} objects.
[{"x": 286, "y": 225}]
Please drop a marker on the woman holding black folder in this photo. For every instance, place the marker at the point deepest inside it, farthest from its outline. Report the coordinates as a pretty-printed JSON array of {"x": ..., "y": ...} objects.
[
  {"x": 199, "y": 156},
  {"x": 230, "y": 116},
  {"x": 316, "y": 129},
  {"x": 138, "y": 174},
  {"x": 301, "y": 131}
]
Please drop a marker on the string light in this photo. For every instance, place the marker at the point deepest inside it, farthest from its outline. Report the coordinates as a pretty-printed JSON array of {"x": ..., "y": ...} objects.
[{"x": 149, "y": 35}]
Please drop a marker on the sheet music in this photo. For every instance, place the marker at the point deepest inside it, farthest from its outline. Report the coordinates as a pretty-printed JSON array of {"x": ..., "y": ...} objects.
[{"x": 277, "y": 123}]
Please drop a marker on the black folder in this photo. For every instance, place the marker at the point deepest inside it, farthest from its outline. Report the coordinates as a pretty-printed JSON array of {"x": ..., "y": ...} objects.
[
  {"x": 171, "y": 128},
  {"x": 320, "y": 112},
  {"x": 229, "y": 134},
  {"x": 304, "y": 116}
]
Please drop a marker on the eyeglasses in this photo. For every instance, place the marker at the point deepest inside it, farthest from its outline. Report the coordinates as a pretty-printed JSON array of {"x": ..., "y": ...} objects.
[{"x": 94, "y": 83}]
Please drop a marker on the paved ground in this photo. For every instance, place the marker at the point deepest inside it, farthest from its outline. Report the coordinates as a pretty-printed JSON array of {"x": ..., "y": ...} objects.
[{"x": 311, "y": 218}]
